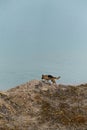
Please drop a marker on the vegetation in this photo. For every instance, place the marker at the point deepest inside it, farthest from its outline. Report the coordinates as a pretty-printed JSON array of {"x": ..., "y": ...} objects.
[{"x": 41, "y": 106}]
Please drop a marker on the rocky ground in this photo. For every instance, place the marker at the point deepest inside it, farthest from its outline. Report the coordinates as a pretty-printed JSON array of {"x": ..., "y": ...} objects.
[{"x": 37, "y": 105}]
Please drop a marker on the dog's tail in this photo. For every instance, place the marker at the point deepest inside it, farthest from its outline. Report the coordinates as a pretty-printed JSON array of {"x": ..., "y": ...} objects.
[{"x": 58, "y": 77}]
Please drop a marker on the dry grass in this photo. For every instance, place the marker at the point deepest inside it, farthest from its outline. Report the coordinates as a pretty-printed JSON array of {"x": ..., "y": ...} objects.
[
  {"x": 41, "y": 106},
  {"x": 68, "y": 112}
]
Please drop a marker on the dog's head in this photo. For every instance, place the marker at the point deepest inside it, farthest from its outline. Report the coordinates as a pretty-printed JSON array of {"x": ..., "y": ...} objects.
[{"x": 42, "y": 76}]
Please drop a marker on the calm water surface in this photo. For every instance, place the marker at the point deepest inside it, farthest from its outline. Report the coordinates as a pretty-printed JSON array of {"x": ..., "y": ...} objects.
[
  {"x": 42, "y": 37},
  {"x": 18, "y": 75}
]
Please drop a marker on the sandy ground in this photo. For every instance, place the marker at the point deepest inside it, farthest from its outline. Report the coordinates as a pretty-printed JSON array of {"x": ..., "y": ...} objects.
[{"x": 37, "y": 105}]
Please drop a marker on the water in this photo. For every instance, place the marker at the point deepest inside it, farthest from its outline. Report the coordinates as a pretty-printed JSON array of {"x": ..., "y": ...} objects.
[
  {"x": 11, "y": 79},
  {"x": 42, "y": 37},
  {"x": 16, "y": 75}
]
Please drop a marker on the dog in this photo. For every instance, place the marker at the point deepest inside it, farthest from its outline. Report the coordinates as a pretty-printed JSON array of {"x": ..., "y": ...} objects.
[{"x": 50, "y": 77}]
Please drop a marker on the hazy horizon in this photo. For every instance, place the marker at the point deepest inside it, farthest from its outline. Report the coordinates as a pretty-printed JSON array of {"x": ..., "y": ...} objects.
[{"x": 42, "y": 36}]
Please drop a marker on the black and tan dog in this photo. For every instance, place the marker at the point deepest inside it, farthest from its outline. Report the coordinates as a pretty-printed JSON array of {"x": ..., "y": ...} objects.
[{"x": 50, "y": 77}]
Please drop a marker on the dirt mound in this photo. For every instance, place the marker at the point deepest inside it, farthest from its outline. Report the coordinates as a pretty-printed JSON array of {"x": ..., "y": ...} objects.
[{"x": 37, "y": 105}]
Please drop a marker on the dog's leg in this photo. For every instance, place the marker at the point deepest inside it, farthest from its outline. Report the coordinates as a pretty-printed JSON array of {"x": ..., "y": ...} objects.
[{"x": 53, "y": 81}]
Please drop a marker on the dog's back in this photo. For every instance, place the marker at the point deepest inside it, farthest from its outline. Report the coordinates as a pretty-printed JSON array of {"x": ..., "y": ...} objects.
[{"x": 50, "y": 77}]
